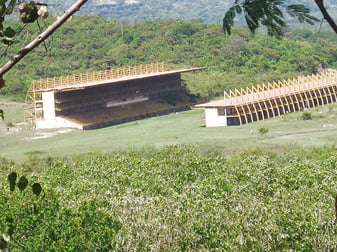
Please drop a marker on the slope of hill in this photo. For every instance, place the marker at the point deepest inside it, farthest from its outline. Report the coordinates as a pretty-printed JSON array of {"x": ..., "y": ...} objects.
[
  {"x": 130, "y": 10},
  {"x": 92, "y": 42}
]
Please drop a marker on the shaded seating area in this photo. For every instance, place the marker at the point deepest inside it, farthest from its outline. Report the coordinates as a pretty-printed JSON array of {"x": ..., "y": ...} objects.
[
  {"x": 102, "y": 99},
  {"x": 104, "y": 117}
]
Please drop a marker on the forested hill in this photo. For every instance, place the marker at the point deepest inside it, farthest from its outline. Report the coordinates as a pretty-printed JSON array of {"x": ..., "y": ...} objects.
[
  {"x": 209, "y": 11},
  {"x": 94, "y": 42},
  {"x": 131, "y": 10}
]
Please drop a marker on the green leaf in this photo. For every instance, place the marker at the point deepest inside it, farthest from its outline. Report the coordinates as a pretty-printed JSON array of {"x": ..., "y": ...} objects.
[
  {"x": 3, "y": 243},
  {"x": 36, "y": 188},
  {"x": 9, "y": 219},
  {"x": 228, "y": 20},
  {"x": 10, "y": 7},
  {"x": 2, "y": 9},
  {"x": 10, "y": 229},
  {"x": 238, "y": 9},
  {"x": 9, "y": 32},
  {"x": 23, "y": 182},
  {"x": 302, "y": 13},
  {"x": 12, "y": 179},
  {"x": 8, "y": 41}
]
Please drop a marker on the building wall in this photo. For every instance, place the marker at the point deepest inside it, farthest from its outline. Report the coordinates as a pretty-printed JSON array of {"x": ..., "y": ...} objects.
[
  {"x": 57, "y": 122},
  {"x": 48, "y": 105},
  {"x": 214, "y": 118}
]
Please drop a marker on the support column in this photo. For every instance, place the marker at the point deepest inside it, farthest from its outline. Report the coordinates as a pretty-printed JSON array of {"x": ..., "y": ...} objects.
[{"x": 48, "y": 102}]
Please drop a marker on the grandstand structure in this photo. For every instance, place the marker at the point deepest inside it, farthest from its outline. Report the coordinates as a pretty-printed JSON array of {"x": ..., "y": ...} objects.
[
  {"x": 107, "y": 97},
  {"x": 261, "y": 102}
]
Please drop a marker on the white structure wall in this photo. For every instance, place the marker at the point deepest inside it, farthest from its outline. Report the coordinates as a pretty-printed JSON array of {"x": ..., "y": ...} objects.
[
  {"x": 48, "y": 102},
  {"x": 50, "y": 120},
  {"x": 213, "y": 119}
]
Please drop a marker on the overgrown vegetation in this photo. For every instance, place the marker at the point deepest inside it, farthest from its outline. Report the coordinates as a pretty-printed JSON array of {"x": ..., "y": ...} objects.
[
  {"x": 176, "y": 199},
  {"x": 306, "y": 116}
]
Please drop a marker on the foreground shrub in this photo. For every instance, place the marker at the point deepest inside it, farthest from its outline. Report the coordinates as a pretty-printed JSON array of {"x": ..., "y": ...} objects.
[
  {"x": 175, "y": 199},
  {"x": 33, "y": 223}
]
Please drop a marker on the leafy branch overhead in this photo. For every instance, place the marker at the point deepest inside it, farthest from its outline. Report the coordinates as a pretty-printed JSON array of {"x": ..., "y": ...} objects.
[
  {"x": 11, "y": 221},
  {"x": 6, "y": 33},
  {"x": 268, "y": 13},
  {"x": 22, "y": 183},
  {"x": 29, "y": 12}
]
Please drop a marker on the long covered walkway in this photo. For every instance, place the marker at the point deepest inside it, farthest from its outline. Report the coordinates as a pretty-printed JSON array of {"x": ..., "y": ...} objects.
[{"x": 272, "y": 99}]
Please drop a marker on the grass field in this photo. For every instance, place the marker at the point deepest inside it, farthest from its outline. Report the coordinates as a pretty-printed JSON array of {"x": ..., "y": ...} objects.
[{"x": 285, "y": 133}]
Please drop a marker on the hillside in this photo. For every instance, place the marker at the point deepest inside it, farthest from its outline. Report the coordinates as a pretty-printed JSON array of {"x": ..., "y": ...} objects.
[
  {"x": 130, "y": 10},
  {"x": 92, "y": 42}
]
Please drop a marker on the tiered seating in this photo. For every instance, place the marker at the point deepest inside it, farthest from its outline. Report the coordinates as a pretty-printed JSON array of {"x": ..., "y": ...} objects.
[
  {"x": 76, "y": 101},
  {"x": 114, "y": 115}
]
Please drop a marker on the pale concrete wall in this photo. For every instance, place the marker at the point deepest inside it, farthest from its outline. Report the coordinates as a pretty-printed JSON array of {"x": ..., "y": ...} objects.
[
  {"x": 48, "y": 105},
  {"x": 213, "y": 119},
  {"x": 50, "y": 120}
]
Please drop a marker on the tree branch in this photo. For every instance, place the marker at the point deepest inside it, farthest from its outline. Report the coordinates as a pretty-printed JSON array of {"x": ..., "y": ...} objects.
[
  {"x": 326, "y": 15},
  {"x": 40, "y": 38}
]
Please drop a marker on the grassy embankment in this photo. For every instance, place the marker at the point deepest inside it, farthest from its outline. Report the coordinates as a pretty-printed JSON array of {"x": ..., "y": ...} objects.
[{"x": 285, "y": 133}]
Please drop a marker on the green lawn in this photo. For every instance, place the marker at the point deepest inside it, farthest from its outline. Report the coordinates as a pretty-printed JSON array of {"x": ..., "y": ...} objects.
[{"x": 285, "y": 133}]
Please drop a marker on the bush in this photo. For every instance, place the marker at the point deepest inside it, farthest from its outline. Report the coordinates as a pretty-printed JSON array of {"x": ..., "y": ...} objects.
[
  {"x": 175, "y": 199},
  {"x": 306, "y": 116},
  {"x": 10, "y": 124},
  {"x": 42, "y": 223},
  {"x": 263, "y": 131}
]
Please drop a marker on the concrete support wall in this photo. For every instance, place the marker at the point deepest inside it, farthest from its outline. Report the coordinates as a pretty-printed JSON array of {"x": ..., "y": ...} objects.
[
  {"x": 48, "y": 105},
  {"x": 213, "y": 119},
  {"x": 49, "y": 119}
]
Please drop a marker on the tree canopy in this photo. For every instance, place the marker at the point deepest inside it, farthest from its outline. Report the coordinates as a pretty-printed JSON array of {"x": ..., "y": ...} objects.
[{"x": 271, "y": 14}]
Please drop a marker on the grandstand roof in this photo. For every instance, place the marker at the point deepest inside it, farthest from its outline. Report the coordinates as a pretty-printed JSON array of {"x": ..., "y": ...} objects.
[
  {"x": 74, "y": 86},
  {"x": 274, "y": 90}
]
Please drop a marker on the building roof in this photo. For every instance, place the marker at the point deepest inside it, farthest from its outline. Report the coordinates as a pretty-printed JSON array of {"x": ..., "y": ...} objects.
[
  {"x": 274, "y": 90},
  {"x": 212, "y": 104},
  {"x": 73, "y": 85}
]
